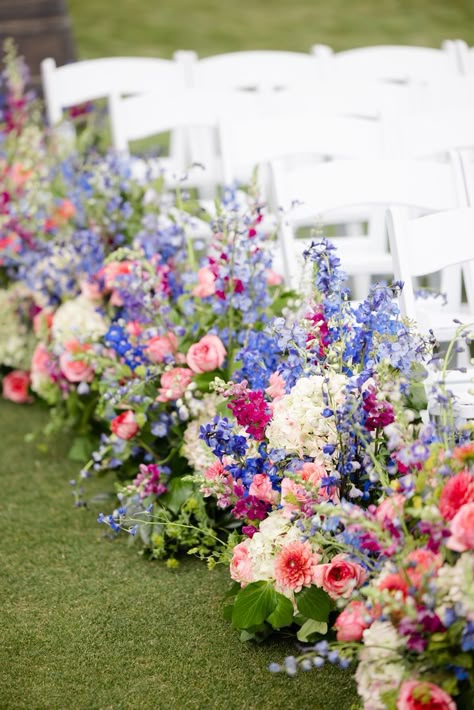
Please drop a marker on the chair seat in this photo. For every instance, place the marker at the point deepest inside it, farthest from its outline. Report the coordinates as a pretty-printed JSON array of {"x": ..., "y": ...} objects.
[
  {"x": 440, "y": 319},
  {"x": 460, "y": 384}
]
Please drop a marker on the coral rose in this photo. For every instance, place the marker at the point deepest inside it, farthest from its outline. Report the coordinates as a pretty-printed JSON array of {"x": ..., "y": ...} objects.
[
  {"x": 112, "y": 271},
  {"x": 340, "y": 577},
  {"x": 15, "y": 386},
  {"x": 421, "y": 695},
  {"x": 422, "y": 565},
  {"x": 73, "y": 369},
  {"x": 124, "y": 425},
  {"x": 394, "y": 583},
  {"x": 160, "y": 346},
  {"x": 241, "y": 569},
  {"x": 462, "y": 529},
  {"x": 206, "y": 283},
  {"x": 457, "y": 491},
  {"x": 295, "y": 566},
  {"x": 206, "y": 355},
  {"x": 352, "y": 622},
  {"x": 173, "y": 383},
  {"x": 261, "y": 488}
]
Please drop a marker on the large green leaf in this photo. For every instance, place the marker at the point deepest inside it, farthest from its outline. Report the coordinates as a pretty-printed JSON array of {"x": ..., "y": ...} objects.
[
  {"x": 282, "y": 615},
  {"x": 310, "y": 629},
  {"x": 253, "y": 604},
  {"x": 178, "y": 493},
  {"x": 314, "y": 603}
]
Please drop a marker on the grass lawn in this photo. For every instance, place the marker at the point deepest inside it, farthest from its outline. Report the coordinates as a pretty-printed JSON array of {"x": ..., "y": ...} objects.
[
  {"x": 87, "y": 623},
  {"x": 159, "y": 27}
]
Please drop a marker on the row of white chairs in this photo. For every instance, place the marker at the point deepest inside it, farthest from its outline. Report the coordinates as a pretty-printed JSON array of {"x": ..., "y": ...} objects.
[
  {"x": 82, "y": 81},
  {"x": 187, "y": 95}
]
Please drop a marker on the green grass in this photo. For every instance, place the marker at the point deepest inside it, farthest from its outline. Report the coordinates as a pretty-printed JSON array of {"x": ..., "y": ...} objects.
[
  {"x": 159, "y": 27},
  {"x": 87, "y": 623}
]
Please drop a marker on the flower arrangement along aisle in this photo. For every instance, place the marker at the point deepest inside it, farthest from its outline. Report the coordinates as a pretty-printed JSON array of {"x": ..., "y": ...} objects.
[
  {"x": 181, "y": 321},
  {"x": 62, "y": 213},
  {"x": 321, "y": 423},
  {"x": 411, "y": 628}
]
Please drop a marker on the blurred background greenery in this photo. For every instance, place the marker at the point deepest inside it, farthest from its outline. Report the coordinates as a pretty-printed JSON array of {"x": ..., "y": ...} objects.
[{"x": 159, "y": 27}]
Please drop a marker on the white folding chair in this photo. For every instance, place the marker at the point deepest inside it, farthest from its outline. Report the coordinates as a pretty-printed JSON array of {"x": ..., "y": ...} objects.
[
  {"x": 254, "y": 70},
  {"x": 317, "y": 192},
  {"x": 298, "y": 131},
  {"x": 430, "y": 244},
  {"x": 246, "y": 72},
  {"x": 432, "y": 133},
  {"x": 76, "y": 83},
  {"x": 402, "y": 64}
]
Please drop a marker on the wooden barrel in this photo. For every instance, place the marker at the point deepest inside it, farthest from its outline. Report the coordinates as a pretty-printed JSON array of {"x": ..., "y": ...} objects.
[{"x": 40, "y": 28}]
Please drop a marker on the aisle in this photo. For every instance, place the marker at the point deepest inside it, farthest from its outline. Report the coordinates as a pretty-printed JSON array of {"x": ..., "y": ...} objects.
[{"x": 89, "y": 624}]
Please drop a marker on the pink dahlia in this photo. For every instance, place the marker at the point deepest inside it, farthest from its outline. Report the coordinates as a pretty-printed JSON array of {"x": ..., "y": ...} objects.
[{"x": 294, "y": 566}]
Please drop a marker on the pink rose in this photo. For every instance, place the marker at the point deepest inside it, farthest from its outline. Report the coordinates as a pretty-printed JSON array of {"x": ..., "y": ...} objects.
[
  {"x": 206, "y": 355},
  {"x": 314, "y": 473},
  {"x": 340, "y": 577},
  {"x": 389, "y": 509},
  {"x": 15, "y": 386},
  {"x": 173, "y": 383},
  {"x": 462, "y": 529},
  {"x": 241, "y": 569},
  {"x": 124, "y": 425},
  {"x": 261, "y": 488},
  {"x": 161, "y": 346},
  {"x": 41, "y": 363},
  {"x": 292, "y": 496},
  {"x": 206, "y": 283},
  {"x": 273, "y": 279},
  {"x": 73, "y": 369},
  {"x": 352, "y": 622},
  {"x": 276, "y": 388},
  {"x": 421, "y": 695}
]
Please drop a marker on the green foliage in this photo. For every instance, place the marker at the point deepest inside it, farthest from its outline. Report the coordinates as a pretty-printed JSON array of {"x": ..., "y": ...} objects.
[
  {"x": 314, "y": 603},
  {"x": 253, "y": 604}
]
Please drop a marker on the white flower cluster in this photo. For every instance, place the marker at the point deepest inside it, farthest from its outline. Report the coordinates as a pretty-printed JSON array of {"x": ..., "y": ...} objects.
[
  {"x": 196, "y": 451},
  {"x": 455, "y": 586},
  {"x": 381, "y": 667},
  {"x": 17, "y": 341},
  {"x": 298, "y": 425},
  {"x": 274, "y": 533},
  {"x": 78, "y": 319}
]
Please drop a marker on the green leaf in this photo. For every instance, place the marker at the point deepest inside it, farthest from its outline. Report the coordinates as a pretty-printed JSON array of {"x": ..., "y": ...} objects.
[
  {"x": 310, "y": 629},
  {"x": 282, "y": 615},
  {"x": 253, "y": 604},
  {"x": 314, "y": 603},
  {"x": 81, "y": 449},
  {"x": 178, "y": 493}
]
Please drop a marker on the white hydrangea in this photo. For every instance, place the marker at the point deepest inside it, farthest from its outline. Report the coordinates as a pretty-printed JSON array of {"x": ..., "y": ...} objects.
[
  {"x": 381, "y": 664},
  {"x": 298, "y": 425},
  {"x": 196, "y": 451},
  {"x": 455, "y": 586},
  {"x": 78, "y": 319},
  {"x": 17, "y": 341}
]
